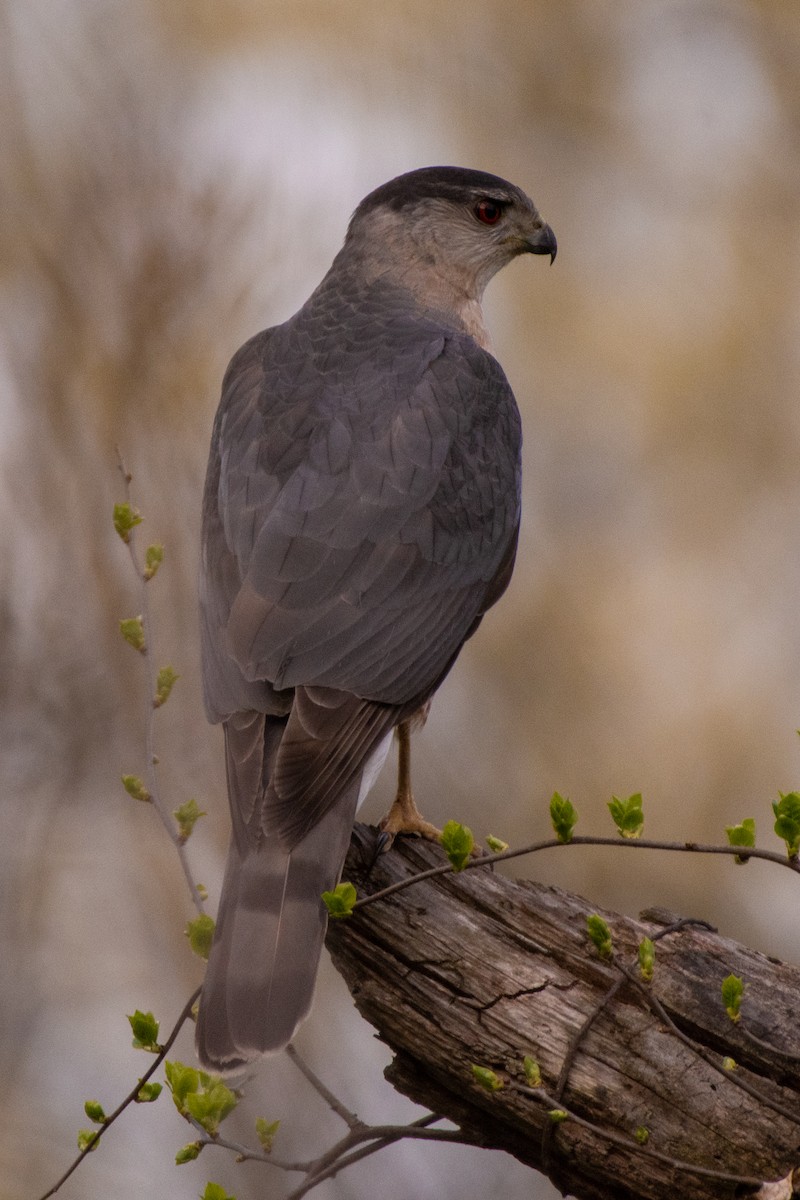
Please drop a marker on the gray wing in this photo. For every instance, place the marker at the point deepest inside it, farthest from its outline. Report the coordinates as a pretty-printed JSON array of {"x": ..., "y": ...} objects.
[
  {"x": 358, "y": 520},
  {"x": 362, "y": 535}
]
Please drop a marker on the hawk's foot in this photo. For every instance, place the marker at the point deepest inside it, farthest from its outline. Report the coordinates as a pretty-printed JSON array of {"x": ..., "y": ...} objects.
[{"x": 405, "y": 817}]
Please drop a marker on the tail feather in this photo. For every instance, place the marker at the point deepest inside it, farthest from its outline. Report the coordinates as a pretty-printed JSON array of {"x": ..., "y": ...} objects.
[{"x": 262, "y": 968}]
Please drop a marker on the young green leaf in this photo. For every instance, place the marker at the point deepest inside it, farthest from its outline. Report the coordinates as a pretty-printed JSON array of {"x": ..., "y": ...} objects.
[
  {"x": 132, "y": 629},
  {"x": 188, "y": 1153},
  {"x": 557, "y": 1115},
  {"x": 94, "y": 1111},
  {"x": 496, "y": 844},
  {"x": 165, "y": 681},
  {"x": 153, "y": 558},
  {"x": 457, "y": 843},
  {"x": 600, "y": 935},
  {"x": 144, "y": 1028},
  {"x": 743, "y": 834},
  {"x": 787, "y": 820},
  {"x": 627, "y": 815},
  {"x": 533, "y": 1074},
  {"x": 212, "y": 1105},
  {"x": 563, "y": 817},
  {"x": 729, "y": 1064},
  {"x": 200, "y": 932},
  {"x": 148, "y": 1092},
  {"x": 487, "y": 1078},
  {"x": 187, "y": 817},
  {"x": 732, "y": 993},
  {"x": 340, "y": 901},
  {"x": 183, "y": 1082},
  {"x": 87, "y": 1139},
  {"x": 642, "y": 1135},
  {"x": 647, "y": 959},
  {"x": 134, "y": 786},
  {"x": 266, "y": 1131},
  {"x": 215, "y": 1191},
  {"x": 125, "y": 519}
]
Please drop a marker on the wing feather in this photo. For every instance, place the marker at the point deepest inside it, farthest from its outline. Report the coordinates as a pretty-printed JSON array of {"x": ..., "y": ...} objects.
[{"x": 352, "y": 524}]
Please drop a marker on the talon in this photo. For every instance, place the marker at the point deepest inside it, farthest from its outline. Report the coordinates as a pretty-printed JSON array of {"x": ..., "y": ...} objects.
[
  {"x": 383, "y": 842},
  {"x": 405, "y": 818}
]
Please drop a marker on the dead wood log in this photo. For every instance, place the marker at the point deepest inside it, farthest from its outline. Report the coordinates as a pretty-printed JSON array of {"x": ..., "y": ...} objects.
[{"x": 474, "y": 968}]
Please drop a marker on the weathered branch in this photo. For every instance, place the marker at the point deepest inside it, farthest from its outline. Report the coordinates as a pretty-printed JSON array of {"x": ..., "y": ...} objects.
[{"x": 474, "y": 968}]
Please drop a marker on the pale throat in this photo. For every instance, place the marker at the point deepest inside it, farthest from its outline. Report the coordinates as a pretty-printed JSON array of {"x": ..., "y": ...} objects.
[
  {"x": 448, "y": 289},
  {"x": 470, "y": 314}
]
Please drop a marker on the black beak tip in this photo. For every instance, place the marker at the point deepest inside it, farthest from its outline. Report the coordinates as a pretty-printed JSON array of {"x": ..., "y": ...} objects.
[{"x": 545, "y": 243}]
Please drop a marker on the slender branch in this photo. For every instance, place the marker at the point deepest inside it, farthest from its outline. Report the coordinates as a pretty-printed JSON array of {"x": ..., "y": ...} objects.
[
  {"x": 632, "y": 1146},
  {"x": 150, "y": 747},
  {"x": 350, "y": 1118},
  {"x": 359, "y": 1142},
  {"x": 379, "y": 1137},
  {"x": 489, "y": 860},
  {"x": 789, "y": 1055},
  {"x": 679, "y": 924},
  {"x": 555, "y": 1101},
  {"x": 658, "y": 1009},
  {"x": 246, "y": 1153},
  {"x": 131, "y": 1097},
  {"x": 569, "y": 1059}
]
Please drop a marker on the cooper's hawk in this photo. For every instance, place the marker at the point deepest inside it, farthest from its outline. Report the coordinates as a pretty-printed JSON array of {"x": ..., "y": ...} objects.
[{"x": 360, "y": 516}]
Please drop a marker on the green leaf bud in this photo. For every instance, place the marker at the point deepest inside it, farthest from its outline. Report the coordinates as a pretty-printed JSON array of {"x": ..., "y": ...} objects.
[
  {"x": 200, "y": 932},
  {"x": 627, "y": 815},
  {"x": 600, "y": 935},
  {"x": 125, "y": 519},
  {"x": 144, "y": 1028},
  {"x": 134, "y": 786},
  {"x": 188, "y": 1153},
  {"x": 153, "y": 558},
  {"x": 266, "y": 1131},
  {"x": 487, "y": 1078},
  {"x": 340, "y": 901},
  {"x": 165, "y": 681},
  {"x": 732, "y": 995},
  {"x": 187, "y": 817},
  {"x": 563, "y": 817},
  {"x": 458, "y": 843},
  {"x": 132, "y": 629}
]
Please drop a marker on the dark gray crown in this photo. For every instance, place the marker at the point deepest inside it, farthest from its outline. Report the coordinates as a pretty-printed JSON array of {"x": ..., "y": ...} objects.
[{"x": 458, "y": 184}]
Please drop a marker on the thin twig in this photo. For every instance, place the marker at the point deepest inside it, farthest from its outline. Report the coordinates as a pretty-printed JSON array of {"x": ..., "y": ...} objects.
[
  {"x": 489, "y": 860},
  {"x": 627, "y": 975},
  {"x": 152, "y": 758},
  {"x": 792, "y": 1056},
  {"x": 679, "y": 924},
  {"x": 569, "y": 1059},
  {"x": 130, "y": 1098},
  {"x": 350, "y": 1118},
  {"x": 658, "y": 1009},
  {"x": 629, "y": 1144},
  {"x": 347, "y": 1150},
  {"x": 246, "y": 1153},
  {"x": 379, "y": 1137}
]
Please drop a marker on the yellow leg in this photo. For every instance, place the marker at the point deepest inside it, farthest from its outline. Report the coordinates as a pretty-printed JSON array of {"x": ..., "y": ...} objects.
[{"x": 404, "y": 816}]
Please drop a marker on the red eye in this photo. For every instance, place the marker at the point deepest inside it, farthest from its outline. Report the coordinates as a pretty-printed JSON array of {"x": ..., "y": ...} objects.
[{"x": 488, "y": 211}]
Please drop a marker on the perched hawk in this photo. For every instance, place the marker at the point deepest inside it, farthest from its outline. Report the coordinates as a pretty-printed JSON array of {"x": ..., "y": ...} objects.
[{"x": 360, "y": 516}]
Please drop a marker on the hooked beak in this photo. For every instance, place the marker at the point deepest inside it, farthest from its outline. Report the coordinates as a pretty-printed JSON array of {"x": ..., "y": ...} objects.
[{"x": 543, "y": 241}]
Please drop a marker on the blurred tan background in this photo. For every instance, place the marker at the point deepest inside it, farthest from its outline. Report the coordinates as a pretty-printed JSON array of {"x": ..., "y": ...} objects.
[{"x": 175, "y": 177}]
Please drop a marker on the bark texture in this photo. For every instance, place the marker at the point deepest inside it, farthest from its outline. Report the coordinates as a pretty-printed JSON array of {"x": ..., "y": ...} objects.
[{"x": 476, "y": 968}]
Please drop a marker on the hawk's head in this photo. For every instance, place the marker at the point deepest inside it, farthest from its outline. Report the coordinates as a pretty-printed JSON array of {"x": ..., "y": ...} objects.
[{"x": 459, "y": 224}]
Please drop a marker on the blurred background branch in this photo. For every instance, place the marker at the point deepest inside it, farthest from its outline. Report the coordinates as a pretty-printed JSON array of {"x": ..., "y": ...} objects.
[{"x": 174, "y": 178}]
